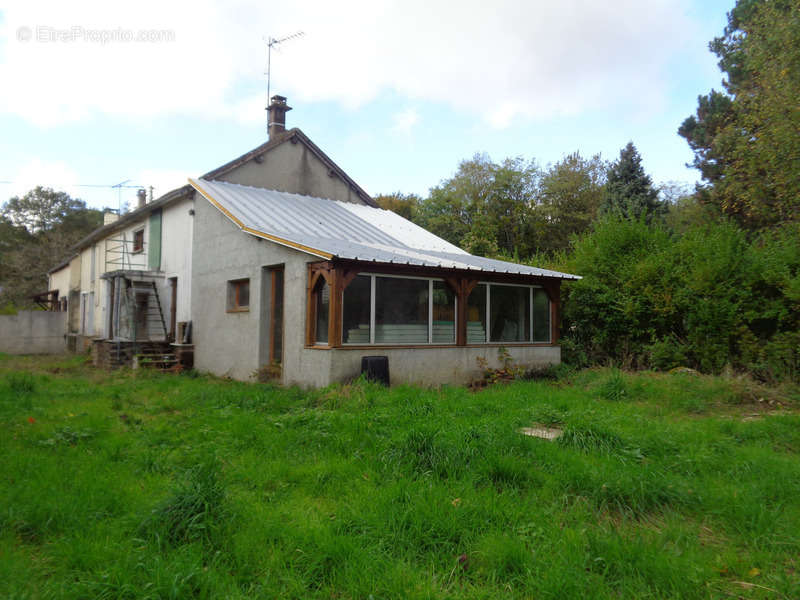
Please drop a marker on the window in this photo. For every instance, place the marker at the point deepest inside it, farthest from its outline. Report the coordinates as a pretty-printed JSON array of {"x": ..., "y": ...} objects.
[
  {"x": 239, "y": 295},
  {"x": 401, "y": 311},
  {"x": 510, "y": 313},
  {"x": 356, "y": 311},
  {"x": 541, "y": 316},
  {"x": 378, "y": 309},
  {"x": 476, "y": 315},
  {"x": 444, "y": 314},
  {"x": 138, "y": 240},
  {"x": 322, "y": 308},
  {"x": 410, "y": 310},
  {"x": 517, "y": 314}
]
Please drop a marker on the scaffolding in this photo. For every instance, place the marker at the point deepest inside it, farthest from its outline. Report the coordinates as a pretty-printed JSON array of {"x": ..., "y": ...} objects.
[{"x": 136, "y": 318}]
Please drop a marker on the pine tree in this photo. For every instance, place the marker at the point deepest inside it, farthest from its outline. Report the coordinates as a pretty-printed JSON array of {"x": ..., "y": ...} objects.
[{"x": 629, "y": 190}]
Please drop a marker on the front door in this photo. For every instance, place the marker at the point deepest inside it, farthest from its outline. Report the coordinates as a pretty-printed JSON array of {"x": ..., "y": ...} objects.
[{"x": 276, "y": 317}]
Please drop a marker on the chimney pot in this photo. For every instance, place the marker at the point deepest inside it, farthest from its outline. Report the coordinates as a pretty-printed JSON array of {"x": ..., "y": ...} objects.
[
  {"x": 141, "y": 198},
  {"x": 277, "y": 116}
]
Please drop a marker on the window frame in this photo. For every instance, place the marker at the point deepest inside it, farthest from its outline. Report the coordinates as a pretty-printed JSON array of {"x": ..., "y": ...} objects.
[
  {"x": 138, "y": 233},
  {"x": 461, "y": 286},
  {"x": 372, "y": 313},
  {"x": 233, "y": 293},
  {"x": 531, "y": 287}
]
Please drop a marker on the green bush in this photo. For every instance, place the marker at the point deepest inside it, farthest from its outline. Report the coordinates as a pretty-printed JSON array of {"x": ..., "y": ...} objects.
[
  {"x": 667, "y": 354},
  {"x": 729, "y": 299}
]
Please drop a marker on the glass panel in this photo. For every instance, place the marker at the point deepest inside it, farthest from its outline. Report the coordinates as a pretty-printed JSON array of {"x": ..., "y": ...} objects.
[
  {"x": 541, "y": 316},
  {"x": 444, "y": 314},
  {"x": 510, "y": 308},
  {"x": 401, "y": 311},
  {"x": 322, "y": 296},
  {"x": 476, "y": 315},
  {"x": 355, "y": 311}
]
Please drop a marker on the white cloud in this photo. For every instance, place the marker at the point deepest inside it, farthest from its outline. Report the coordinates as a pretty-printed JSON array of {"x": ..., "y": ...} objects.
[
  {"x": 404, "y": 121},
  {"x": 52, "y": 174},
  {"x": 515, "y": 58}
]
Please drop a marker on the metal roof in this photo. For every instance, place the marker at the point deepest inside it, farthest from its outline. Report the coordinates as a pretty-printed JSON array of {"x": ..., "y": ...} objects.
[{"x": 333, "y": 229}]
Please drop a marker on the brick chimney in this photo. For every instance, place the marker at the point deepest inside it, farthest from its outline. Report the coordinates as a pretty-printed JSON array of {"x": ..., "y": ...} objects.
[
  {"x": 277, "y": 116},
  {"x": 109, "y": 216}
]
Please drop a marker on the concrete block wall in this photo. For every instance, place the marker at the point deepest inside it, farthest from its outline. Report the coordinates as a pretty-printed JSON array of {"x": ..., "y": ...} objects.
[{"x": 33, "y": 332}]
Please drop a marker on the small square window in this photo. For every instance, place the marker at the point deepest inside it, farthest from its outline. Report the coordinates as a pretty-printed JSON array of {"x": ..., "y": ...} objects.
[
  {"x": 239, "y": 295},
  {"x": 138, "y": 240}
]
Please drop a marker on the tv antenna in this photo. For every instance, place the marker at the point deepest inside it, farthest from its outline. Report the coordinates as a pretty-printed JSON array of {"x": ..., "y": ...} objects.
[{"x": 273, "y": 43}]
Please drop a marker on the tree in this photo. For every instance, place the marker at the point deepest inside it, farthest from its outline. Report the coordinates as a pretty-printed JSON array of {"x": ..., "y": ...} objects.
[
  {"x": 629, "y": 191},
  {"x": 36, "y": 232},
  {"x": 485, "y": 207},
  {"x": 405, "y": 205},
  {"x": 570, "y": 194},
  {"x": 745, "y": 140}
]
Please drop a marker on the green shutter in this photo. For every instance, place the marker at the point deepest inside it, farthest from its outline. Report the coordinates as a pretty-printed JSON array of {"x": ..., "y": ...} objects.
[{"x": 154, "y": 248}]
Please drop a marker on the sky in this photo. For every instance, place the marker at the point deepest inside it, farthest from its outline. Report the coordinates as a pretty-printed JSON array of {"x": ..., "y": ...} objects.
[{"x": 396, "y": 92}]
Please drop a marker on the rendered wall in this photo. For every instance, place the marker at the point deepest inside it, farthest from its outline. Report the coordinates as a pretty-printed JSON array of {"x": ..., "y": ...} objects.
[
  {"x": 33, "y": 332},
  {"x": 292, "y": 167},
  {"x": 233, "y": 343}
]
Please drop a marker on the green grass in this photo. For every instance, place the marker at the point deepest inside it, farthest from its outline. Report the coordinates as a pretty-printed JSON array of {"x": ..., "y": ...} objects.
[{"x": 139, "y": 485}]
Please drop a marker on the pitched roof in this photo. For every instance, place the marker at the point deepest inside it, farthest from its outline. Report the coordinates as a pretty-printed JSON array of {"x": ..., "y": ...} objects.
[{"x": 332, "y": 229}]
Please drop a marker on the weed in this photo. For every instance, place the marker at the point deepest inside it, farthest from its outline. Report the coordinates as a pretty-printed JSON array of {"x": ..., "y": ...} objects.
[
  {"x": 21, "y": 383},
  {"x": 194, "y": 511},
  {"x": 613, "y": 388},
  {"x": 66, "y": 436}
]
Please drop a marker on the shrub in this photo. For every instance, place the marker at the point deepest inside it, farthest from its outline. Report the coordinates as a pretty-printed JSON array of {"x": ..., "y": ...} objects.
[
  {"x": 730, "y": 300},
  {"x": 667, "y": 354}
]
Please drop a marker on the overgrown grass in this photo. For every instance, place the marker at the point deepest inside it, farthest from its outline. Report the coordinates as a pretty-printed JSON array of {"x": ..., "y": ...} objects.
[{"x": 148, "y": 486}]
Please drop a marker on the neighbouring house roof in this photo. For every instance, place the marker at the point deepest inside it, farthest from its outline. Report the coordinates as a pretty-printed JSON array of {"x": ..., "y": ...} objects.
[
  {"x": 131, "y": 217},
  {"x": 332, "y": 229}
]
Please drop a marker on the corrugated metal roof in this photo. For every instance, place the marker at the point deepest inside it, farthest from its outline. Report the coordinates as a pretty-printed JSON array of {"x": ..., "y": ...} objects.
[{"x": 333, "y": 229}]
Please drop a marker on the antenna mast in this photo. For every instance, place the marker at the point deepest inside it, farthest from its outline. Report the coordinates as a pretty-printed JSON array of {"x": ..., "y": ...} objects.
[{"x": 272, "y": 42}]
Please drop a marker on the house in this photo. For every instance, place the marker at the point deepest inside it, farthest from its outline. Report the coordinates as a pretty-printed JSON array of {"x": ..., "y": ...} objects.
[{"x": 278, "y": 263}]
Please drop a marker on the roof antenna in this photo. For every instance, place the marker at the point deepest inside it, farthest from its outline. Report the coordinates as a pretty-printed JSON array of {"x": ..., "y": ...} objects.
[{"x": 271, "y": 43}]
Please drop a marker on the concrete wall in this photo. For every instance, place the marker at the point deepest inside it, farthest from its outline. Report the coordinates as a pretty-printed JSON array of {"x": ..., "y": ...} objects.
[
  {"x": 292, "y": 167},
  {"x": 33, "y": 332},
  {"x": 233, "y": 343},
  {"x": 435, "y": 366}
]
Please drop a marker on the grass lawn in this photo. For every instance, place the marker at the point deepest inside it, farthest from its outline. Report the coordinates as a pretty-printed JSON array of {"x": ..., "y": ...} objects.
[{"x": 141, "y": 485}]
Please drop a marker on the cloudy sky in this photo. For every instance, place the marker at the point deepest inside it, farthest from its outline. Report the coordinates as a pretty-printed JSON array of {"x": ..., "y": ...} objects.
[{"x": 396, "y": 92}]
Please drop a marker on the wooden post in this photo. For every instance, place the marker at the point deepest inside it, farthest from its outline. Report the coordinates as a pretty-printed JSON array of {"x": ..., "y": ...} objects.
[{"x": 462, "y": 289}]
